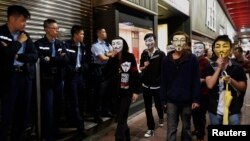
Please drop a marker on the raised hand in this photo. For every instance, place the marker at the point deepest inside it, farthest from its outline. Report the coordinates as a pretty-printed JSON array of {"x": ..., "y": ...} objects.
[{"x": 22, "y": 37}]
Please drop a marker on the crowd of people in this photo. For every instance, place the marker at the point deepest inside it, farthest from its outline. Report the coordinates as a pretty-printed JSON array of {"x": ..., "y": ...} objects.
[{"x": 187, "y": 82}]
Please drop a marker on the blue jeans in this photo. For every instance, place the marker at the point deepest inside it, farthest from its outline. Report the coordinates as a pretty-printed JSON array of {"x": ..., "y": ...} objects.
[
  {"x": 216, "y": 119},
  {"x": 173, "y": 113}
]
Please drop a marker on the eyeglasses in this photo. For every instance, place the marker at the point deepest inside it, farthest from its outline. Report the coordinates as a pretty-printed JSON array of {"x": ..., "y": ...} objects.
[
  {"x": 181, "y": 41},
  {"x": 54, "y": 28}
]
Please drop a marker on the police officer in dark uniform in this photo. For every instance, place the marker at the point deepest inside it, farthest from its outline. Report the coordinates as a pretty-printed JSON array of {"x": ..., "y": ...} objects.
[
  {"x": 52, "y": 60},
  {"x": 17, "y": 60},
  {"x": 74, "y": 78}
]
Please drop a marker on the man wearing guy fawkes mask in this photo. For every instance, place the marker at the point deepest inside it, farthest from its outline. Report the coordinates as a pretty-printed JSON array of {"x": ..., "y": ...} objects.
[
  {"x": 180, "y": 87},
  {"x": 223, "y": 70},
  {"x": 199, "y": 114},
  {"x": 150, "y": 66}
]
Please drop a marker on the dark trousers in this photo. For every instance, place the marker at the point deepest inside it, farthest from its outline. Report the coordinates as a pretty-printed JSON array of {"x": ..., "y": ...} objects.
[
  {"x": 122, "y": 130},
  {"x": 102, "y": 98},
  {"x": 49, "y": 116},
  {"x": 148, "y": 95},
  {"x": 58, "y": 102},
  {"x": 75, "y": 88},
  {"x": 173, "y": 113},
  {"x": 16, "y": 106},
  {"x": 199, "y": 117}
]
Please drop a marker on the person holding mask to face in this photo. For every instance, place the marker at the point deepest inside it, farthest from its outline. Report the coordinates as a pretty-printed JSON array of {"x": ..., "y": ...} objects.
[
  {"x": 126, "y": 77},
  {"x": 150, "y": 66},
  {"x": 180, "y": 87},
  {"x": 199, "y": 114},
  {"x": 220, "y": 71}
]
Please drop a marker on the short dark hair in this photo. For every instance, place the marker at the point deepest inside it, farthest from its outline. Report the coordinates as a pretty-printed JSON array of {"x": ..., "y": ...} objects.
[
  {"x": 224, "y": 38},
  {"x": 76, "y": 29},
  {"x": 47, "y": 22},
  {"x": 181, "y": 33},
  {"x": 99, "y": 28},
  {"x": 18, "y": 11},
  {"x": 149, "y": 35},
  {"x": 239, "y": 49}
]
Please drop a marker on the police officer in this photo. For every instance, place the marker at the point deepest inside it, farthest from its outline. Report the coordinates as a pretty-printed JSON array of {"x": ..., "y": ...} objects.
[
  {"x": 52, "y": 60},
  {"x": 101, "y": 52},
  {"x": 74, "y": 79},
  {"x": 17, "y": 58}
]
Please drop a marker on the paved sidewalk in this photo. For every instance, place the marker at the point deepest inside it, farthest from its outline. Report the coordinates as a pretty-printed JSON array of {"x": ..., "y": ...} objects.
[{"x": 138, "y": 127}]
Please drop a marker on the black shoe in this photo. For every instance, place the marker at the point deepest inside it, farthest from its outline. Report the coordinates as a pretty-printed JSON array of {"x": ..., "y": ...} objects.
[
  {"x": 98, "y": 120},
  {"x": 107, "y": 114},
  {"x": 127, "y": 133},
  {"x": 81, "y": 128},
  {"x": 200, "y": 138},
  {"x": 59, "y": 135},
  {"x": 194, "y": 132},
  {"x": 83, "y": 134}
]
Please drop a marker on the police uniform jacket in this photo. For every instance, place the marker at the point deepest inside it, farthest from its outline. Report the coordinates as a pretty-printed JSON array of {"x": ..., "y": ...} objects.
[
  {"x": 8, "y": 51},
  {"x": 72, "y": 51},
  {"x": 55, "y": 66}
]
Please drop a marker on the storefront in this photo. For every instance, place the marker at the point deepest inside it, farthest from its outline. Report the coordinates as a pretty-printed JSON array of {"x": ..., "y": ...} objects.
[
  {"x": 173, "y": 16},
  {"x": 129, "y": 20},
  {"x": 133, "y": 32}
]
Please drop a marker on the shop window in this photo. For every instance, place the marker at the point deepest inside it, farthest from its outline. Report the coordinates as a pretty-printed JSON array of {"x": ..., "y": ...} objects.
[{"x": 134, "y": 36}]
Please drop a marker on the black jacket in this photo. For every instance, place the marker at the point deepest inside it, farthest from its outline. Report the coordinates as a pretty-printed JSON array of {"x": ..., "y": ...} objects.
[
  {"x": 235, "y": 71},
  {"x": 72, "y": 51},
  {"x": 9, "y": 49},
  {"x": 180, "y": 79},
  {"x": 56, "y": 64},
  {"x": 151, "y": 75},
  {"x": 132, "y": 74}
]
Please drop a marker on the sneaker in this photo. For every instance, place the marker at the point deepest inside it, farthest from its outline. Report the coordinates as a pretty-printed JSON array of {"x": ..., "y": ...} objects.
[
  {"x": 149, "y": 133},
  {"x": 161, "y": 121}
]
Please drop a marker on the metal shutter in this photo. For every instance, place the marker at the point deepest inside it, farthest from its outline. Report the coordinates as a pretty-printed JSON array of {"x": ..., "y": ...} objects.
[{"x": 66, "y": 13}]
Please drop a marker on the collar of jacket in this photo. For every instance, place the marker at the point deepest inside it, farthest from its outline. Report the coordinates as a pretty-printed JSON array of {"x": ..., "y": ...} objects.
[
  {"x": 73, "y": 45},
  {"x": 46, "y": 40},
  {"x": 184, "y": 57},
  {"x": 8, "y": 34},
  {"x": 7, "y": 31}
]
